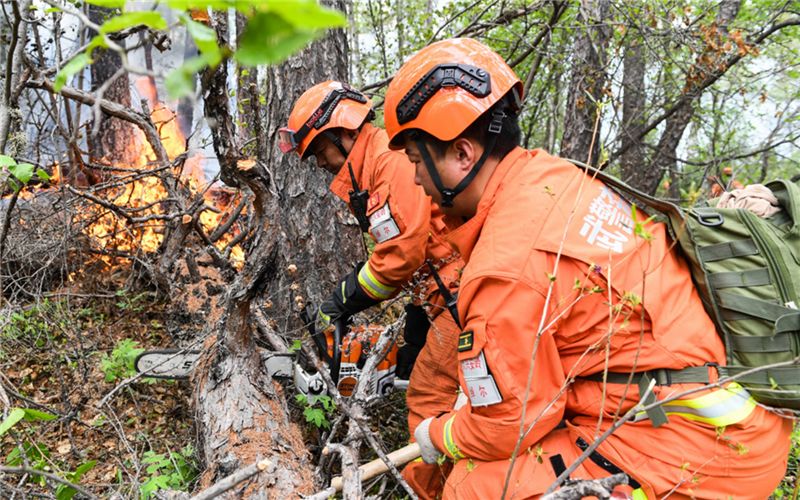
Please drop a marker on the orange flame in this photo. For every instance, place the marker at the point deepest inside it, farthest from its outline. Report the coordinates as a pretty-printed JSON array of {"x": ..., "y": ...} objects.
[{"x": 148, "y": 195}]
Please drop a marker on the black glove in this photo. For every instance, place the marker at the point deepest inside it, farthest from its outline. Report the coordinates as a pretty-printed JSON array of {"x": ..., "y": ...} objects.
[
  {"x": 347, "y": 299},
  {"x": 415, "y": 333}
]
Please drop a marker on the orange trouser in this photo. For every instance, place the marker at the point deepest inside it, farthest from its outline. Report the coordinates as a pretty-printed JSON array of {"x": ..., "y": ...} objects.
[
  {"x": 741, "y": 461},
  {"x": 432, "y": 391}
]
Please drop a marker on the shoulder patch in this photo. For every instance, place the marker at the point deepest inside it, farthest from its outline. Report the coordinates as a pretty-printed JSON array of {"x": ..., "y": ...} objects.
[
  {"x": 374, "y": 201},
  {"x": 465, "y": 340}
]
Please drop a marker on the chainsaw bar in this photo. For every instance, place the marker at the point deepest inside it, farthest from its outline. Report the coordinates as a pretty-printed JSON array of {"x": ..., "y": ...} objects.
[
  {"x": 166, "y": 363},
  {"x": 179, "y": 363}
]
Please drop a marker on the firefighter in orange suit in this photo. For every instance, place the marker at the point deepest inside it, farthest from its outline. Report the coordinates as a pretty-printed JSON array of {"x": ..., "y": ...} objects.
[
  {"x": 561, "y": 288},
  {"x": 331, "y": 121}
]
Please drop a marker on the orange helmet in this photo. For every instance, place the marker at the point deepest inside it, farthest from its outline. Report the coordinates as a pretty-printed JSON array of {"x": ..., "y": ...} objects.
[
  {"x": 324, "y": 106},
  {"x": 445, "y": 87}
]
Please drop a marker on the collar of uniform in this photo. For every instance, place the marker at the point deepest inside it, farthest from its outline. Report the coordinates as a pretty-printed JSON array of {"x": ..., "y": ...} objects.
[
  {"x": 341, "y": 185},
  {"x": 465, "y": 236}
]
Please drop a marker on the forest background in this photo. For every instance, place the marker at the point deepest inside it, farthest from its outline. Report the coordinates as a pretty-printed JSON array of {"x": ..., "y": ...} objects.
[{"x": 146, "y": 205}]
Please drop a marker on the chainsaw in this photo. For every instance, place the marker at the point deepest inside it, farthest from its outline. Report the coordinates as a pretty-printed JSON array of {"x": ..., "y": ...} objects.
[{"x": 342, "y": 350}]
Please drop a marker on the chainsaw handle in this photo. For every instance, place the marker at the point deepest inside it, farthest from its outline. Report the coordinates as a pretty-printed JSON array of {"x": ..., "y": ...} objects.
[
  {"x": 317, "y": 337},
  {"x": 339, "y": 326}
]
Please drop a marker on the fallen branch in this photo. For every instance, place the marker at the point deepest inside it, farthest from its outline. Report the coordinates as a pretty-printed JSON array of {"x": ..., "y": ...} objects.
[
  {"x": 231, "y": 481},
  {"x": 600, "y": 488},
  {"x": 52, "y": 477}
]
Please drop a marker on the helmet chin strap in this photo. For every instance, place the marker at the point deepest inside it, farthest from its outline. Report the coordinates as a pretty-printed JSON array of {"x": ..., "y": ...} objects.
[
  {"x": 337, "y": 141},
  {"x": 495, "y": 128}
]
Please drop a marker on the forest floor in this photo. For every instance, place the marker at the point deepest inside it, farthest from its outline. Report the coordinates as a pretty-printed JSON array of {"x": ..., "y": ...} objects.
[{"x": 67, "y": 359}]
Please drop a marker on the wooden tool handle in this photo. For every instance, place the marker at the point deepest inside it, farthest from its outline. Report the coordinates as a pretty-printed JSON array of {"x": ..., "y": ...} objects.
[{"x": 372, "y": 469}]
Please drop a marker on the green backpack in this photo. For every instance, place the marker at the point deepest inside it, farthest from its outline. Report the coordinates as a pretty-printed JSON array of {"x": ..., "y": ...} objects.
[{"x": 747, "y": 272}]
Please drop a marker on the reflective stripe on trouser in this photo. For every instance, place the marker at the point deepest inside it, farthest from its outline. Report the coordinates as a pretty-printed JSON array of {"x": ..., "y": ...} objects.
[
  {"x": 720, "y": 408},
  {"x": 373, "y": 286}
]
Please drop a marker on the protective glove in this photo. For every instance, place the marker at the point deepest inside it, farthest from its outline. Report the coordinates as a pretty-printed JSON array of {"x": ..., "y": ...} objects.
[
  {"x": 347, "y": 299},
  {"x": 415, "y": 333},
  {"x": 430, "y": 455}
]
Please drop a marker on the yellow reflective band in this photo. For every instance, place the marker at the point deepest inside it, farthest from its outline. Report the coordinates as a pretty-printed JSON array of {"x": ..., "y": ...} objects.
[
  {"x": 324, "y": 317},
  {"x": 638, "y": 494},
  {"x": 719, "y": 408},
  {"x": 451, "y": 446},
  {"x": 344, "y": 293},
  {"x": 372, "y": 285}
]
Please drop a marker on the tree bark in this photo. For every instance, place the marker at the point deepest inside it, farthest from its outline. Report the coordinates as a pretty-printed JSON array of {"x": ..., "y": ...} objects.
[
  {"x": 239, "y": 413},
  {"x": 114, "y": 136},
  {"x": 10, "y": 117},
  {"x": 633, "y": 106},
  {"x": 581, "y": 124},
  {"x": 664, "y": 159}
]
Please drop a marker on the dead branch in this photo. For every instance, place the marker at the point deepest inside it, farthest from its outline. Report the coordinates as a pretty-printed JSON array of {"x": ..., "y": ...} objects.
[
  {"x": 52, "y": 477},
  {"x": 351, "y": 474},
  {"x": 600, "y": 488},
  {"x": 231, "y": 481}
]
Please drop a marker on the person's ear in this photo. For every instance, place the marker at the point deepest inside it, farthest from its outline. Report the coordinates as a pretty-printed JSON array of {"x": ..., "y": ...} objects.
[{"x": 464, "y": 152}]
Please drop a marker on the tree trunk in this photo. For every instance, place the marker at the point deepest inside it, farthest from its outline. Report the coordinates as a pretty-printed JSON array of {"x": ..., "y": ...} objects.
[
  {"x": 633, "y": 106},
  {"x": 239, "y": 414},
  {"x": 10, "y": 116},
  {"x": 581, "y": 124},
  {"x": 665, "y": 158},
  {"x": 113, "y": 135}
]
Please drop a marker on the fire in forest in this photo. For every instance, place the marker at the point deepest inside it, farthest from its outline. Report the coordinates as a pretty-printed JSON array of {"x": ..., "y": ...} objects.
[{"x": 132, "y": 206}]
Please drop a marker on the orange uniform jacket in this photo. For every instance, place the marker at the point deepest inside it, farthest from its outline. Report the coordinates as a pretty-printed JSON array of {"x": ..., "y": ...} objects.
[
  {"x": 561, "y": 282},
  {"x": 402, "y": 226}
]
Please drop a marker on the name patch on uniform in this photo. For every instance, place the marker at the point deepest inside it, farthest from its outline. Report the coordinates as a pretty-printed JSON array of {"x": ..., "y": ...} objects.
[
  {"x": 480, "y": 385},
  {"x": 465, "y": 341},
  {"x": 474, "y": 367},
  {"x": 483, "y": 391},
  {"x": 380, "y": 215},
  {"x": 382, "y": 225}
]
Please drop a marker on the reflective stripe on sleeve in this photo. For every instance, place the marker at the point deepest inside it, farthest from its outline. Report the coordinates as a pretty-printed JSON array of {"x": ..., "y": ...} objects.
[
  {"x": 449, "y": 443},
  {"x": 372, "y": 285},
  {"x": 719, "y": 408},
  {"x": 638, "y": 494}
]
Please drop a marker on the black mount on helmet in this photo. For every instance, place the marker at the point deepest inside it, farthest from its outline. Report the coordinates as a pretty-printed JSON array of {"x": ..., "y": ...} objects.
[
  {"x": 495, "y": 128},
  {"x": 323, "y": 113},
  {"x": 474, "y": 80}
]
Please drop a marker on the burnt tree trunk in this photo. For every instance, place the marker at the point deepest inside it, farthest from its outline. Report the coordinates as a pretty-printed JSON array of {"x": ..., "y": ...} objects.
[
  {"x": 113, "y": 135},
  {"x": 587, "y": 84},
  {"x": 664, "y": 160},
  {"x": 240, "y": 413}
]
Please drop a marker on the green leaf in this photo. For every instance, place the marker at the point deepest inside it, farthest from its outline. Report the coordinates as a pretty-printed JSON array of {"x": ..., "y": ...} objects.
[
  {"x": 179, "y": 81},
  {"x": 111, "y": 4},
  {"x": 32, "y": 415},
  {"x": 52, "y": 10},
  {"x": 83, "y": 469},
  {"x": 204, "y": 37},
  {"x": 11, "y": 420},
  {"x": 306, "y": 14},
  {"x": 41, "y": 174},
  {"x": 71, "y": 68},
  {"x": 6, "y": 161},
  {"x": 97, "y": 41},
  {"x": 22, "y": 171},
  {"x": 269, "y": 38},
  {"x": 129, "y": 19}
]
